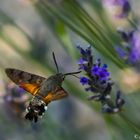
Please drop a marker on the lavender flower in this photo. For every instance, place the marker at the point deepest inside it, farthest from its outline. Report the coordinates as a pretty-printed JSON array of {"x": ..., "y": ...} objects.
[
  {"x": 122, "y": 6},
  {"x": 135, "y": 47},
  {"x": 98, "y": 81},
  {"x": 98, "y": 75},
  {"x": 131, "y": 49},
  {"x": 13, "y": 91}
]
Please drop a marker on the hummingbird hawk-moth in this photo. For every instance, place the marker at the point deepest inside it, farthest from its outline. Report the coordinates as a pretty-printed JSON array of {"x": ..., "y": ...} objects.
[{"x": 44, "y": 90}]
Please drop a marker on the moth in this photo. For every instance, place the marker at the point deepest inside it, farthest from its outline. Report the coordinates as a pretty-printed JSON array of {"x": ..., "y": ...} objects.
[{"x": 44, "y": 90}]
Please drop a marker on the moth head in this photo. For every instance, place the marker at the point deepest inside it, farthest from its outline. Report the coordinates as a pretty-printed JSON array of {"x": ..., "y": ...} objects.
[{"x": 60, "y": 77}]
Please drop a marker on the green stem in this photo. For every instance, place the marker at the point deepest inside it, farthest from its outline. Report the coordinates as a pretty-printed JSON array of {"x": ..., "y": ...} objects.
[
  {"x": 130, "y": 123},
  {"x": 132, "y": 23},
  {"x": 103, "y": 41}
]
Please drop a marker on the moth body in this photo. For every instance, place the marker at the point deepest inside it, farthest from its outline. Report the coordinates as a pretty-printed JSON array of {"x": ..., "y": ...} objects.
[{"x": 51, "y": 84}]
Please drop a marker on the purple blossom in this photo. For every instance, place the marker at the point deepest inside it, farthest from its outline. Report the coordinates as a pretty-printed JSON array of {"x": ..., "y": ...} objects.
[
  {"x": 120, "y": 51},
  {"x": 84, "y": 80},
  {"x": 95, "y": 70},
  {"x": 13, "y": 91},
  {"x": 20, "y": 90},
  {"x": 101, "y": 72},
  {"x": 82, "y": 63},
  {"x": 131, "y": 51},
  {"x": 123, "y": 5},
  {"x": 84, "y": 51},
  {"x": 135, "y": 44}
]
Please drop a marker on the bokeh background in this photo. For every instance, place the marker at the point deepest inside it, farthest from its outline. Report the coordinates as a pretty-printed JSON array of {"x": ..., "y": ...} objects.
[{"x": 30, "y": 30}]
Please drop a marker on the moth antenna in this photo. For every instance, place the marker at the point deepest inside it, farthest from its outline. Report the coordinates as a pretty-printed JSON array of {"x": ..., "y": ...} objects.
[{"x": 55, "y": 62}]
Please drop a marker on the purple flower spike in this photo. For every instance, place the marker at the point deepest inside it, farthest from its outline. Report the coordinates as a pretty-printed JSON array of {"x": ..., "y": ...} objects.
[
  {"x": 130, "y": 50},
  {"x": 98, "y": 82}
]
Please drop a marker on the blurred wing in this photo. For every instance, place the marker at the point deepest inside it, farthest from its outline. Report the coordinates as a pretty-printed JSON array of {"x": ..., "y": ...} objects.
[
  {"x": 27, "y": 81},
  {"x": 31, "y": 88},
  {"x": 58, "y": 94}
]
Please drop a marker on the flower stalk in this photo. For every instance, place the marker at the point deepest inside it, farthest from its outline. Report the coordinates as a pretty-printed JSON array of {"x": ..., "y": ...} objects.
[{"x": 97, "y": 80}]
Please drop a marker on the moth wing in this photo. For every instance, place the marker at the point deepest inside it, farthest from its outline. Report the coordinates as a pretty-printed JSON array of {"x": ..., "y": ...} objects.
[
  {"x": 21, "y": 77},
  {"x": 28, "y": 81},
  {"x": 31, "y": 88},
  {"x": 58, "y": 94}
]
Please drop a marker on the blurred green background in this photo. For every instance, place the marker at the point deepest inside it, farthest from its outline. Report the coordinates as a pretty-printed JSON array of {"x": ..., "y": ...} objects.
[{"x": 29, "y": 31}]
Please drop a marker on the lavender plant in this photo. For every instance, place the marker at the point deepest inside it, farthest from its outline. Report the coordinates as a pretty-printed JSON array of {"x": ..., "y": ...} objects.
[
  {"x": 97, "y": 80},
  {"x": 130, "y": 48}
]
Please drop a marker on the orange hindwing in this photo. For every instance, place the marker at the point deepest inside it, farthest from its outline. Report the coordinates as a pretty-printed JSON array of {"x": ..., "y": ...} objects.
[
  {"x": 31, "y": 88},
  {"x": 59, "y": 93}
]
